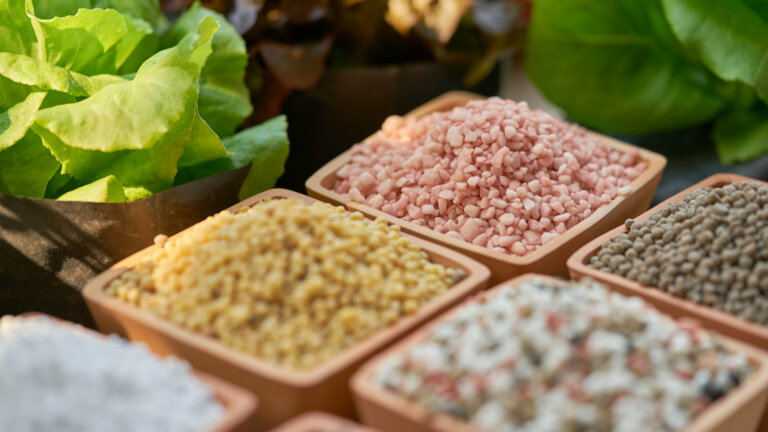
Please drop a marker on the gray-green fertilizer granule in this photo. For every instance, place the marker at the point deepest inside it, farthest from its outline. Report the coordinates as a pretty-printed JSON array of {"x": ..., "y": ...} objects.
[{"x": 710, "y": 248}]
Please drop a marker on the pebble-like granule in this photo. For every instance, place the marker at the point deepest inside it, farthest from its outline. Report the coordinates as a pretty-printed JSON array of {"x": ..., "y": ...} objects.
[
  {"x": 546, "y": 358},
  {"x": 287, "y": 282},
  {"x": 63, "y": 378},
  {"x": 710, "y": 248},
  {"x": 493, "y": 173}
]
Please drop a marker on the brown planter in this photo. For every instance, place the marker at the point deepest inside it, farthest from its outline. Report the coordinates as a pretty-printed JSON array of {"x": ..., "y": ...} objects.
[
  {"x": 548, "y": 259},
  {"x": 283, "y": 393},
  {"x": 739, "y": 410},
  {"x": 49, "y": 249}
]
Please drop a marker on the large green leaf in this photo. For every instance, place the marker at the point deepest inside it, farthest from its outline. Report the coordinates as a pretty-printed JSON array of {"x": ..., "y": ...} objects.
[
  {"x": 94, "y": 41},
  {"x": 12, "y": 92},
  {"x": 615, "y": 65},
  {"x": 26, "y": 167},
  {"x": 204, "y": 145},
  {"x": 152, "y": 168},
  {"x": 224, "y": 98},
  {"x": 135, "y": 130},
  {"x": 730, "y": 37},
  {"x": 108, "y": 189},
  {"x": 741, "y": 135},
  {"x": 39, "y": 75},
  {"x": 16, "y": 33},
  {"x": 760, "y": 7},
  {"x": 58, "y": 184},
  {"x": 15, "y": 122},
  {"x": 136, "y": 114},
  {"x": 265, "y": 147}
]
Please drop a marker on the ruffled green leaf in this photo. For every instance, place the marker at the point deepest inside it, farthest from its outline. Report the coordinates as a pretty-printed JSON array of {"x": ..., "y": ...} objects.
[
  {"x": 26, "y": 167},
  {"x": 108, "y": 189},
  {"x": 136, "y": 114},
  {"x": 93, "y": 41},
  {"x": 266, "y": 148},
  {"x": 224, "y": 99},
  {"x": 135, "y": 130},
  {"x": 37, "y": 75},
  {"x": 16, "y": 33},
  {"x": 15, "y": 122},
  {"x": 204, "y": 145}
]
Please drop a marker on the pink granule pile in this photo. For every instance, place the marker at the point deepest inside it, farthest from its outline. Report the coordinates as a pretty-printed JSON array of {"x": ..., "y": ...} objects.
[{"x": 493, "y": 173}]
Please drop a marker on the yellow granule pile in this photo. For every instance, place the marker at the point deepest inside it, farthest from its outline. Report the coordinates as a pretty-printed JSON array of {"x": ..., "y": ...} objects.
[{"x": 287, "y": 282}]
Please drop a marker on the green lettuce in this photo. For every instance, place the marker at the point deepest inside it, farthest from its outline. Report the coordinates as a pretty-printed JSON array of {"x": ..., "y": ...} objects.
[
  {"x": 94, "y": 41},
  {"x": 264, "y": 147},
  {"x": 25, "y": 165},
  {"x": 141, "y": 149},
  {"x": 224, "y": 98},
  {"x": 90, "y": 110},
  {"x": 643, "y": 67}
]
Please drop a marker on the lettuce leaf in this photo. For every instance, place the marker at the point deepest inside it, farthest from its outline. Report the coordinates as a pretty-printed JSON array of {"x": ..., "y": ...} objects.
[
  {"x": 15, "y": 122},
  {"x": 135, "y": 114},
  {"x": 30, "y": 75},
  {"x": 617, "y": 66},
  {"x": 26, "y": 167},
  {"x": 264, "y": 146},
  {"x": 224, "y": 98},
  {"x": 204, "y": 145},
  {"x": 108, "y": 189},
  {"x": 16, "y": 33},
  {"x": 730, "y": 37},
  {"x": 89, "y": 110},
  {"x": 741, "y": 135},
  {"x": 135, "y": 130},
  {"x": 94, "y": 41}
]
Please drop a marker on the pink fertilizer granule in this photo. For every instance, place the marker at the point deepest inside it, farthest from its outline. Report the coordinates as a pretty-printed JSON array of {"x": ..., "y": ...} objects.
[{"x": 493, "y": 173}]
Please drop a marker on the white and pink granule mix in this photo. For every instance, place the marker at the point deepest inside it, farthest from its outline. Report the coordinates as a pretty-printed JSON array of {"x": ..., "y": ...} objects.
[{"x": 492, "y": 172}]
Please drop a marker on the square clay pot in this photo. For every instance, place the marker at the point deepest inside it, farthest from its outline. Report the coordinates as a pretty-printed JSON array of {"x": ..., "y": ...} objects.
[
  {"x": 239, "y": 404},
  {"x": 720, "y": 321},
  {"x": 317, "y": 421},
  {"x": 740, "y": 410},
  {"x": 283, "y": 393},
  {"x": 548, "y": 259}
]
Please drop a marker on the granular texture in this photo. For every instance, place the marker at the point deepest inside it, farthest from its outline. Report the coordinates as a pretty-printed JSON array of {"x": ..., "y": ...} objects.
[
  {"x": 493, "y": 173},
  {"x": 710, "y": 248},
  {"x": 288, "y": 282},
  {"x": 545, "y": 357},
  {"x": 66, "y": 379}
]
